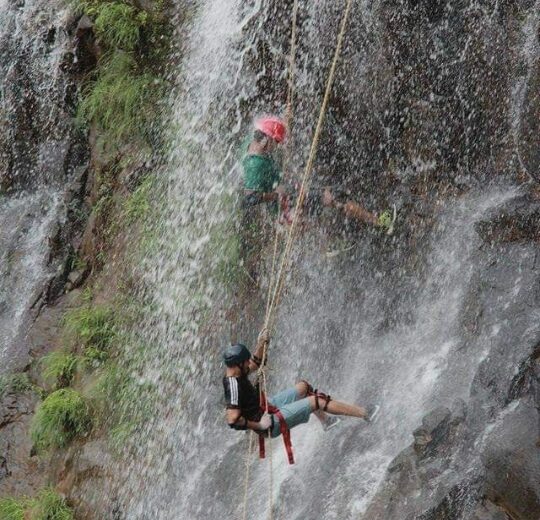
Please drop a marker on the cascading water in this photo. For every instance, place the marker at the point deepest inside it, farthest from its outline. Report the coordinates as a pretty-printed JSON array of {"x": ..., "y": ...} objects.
[
  {"x": 24, "y": 268},
  {"x": 381, "y": 322},
  {"x": 38, "y": 156}
]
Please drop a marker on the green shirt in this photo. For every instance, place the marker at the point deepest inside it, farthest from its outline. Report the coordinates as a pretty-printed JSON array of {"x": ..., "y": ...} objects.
[{"x": 260, "y": 173}]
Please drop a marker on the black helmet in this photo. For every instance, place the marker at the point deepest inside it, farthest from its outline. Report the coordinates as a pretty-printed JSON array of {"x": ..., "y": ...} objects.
[{"x": 236, "y": 354}]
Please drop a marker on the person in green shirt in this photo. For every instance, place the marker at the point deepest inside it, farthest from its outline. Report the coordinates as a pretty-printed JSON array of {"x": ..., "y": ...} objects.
[
  {"x": 262, "y": 176},
  {"x": 262, "y": 191},
  {"x": 263, "y": 180}
]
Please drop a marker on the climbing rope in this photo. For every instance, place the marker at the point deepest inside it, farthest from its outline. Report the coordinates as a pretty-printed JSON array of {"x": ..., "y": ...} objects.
[
  {"x": 306, "y": 179},
  {"x": 277, "y": 279},
  {"x": 287, "y": 153},
  {"x": 246, "y": 477}
]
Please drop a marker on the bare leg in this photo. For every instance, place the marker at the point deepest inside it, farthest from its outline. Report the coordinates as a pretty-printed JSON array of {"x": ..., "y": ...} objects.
[
  {"x": 334, "y": 407},
  {"x": 350, "y": 208},
  {"x": 354, "y": 210},
  {"x": 338, "y": 408},
  {"x": 302, "y": 390}
]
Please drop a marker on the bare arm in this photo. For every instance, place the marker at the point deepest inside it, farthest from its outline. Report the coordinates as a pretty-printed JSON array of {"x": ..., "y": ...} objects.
[
  {"x": 270, "y": 196},
  {"x": 263, "y": 339},
  {"x": 232, "y": 415},
  {"x": 235, "y": 418}
]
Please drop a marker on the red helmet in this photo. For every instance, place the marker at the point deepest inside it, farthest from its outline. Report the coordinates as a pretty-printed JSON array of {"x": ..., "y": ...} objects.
[{"x": 272, "y": 126}]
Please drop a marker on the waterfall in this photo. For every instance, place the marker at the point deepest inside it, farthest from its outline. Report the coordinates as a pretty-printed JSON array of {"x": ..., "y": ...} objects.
[
  {"x": 37, "y": 160},
  {"x": 381, "y": 322},
  {"x": 434, "y": 111}
]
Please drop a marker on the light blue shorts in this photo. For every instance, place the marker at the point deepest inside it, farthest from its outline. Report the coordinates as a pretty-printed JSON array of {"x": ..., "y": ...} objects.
[{"x": 295, "y": 410}]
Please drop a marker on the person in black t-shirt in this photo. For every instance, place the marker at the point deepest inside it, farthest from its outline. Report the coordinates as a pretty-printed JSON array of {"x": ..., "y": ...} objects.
[{"x": 296, "y": 404}]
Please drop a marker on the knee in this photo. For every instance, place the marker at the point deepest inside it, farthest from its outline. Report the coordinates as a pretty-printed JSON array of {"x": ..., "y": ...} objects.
[{"x": 303, "y": 388}]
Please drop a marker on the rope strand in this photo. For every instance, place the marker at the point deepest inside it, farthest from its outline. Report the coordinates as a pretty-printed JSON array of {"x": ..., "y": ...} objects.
[
  {"x": 276, "y": 285},
  {"x": 304, "y": 187}
]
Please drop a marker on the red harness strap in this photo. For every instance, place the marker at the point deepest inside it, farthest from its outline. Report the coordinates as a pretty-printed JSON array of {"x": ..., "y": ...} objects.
[{"x": 284, "y": 429}]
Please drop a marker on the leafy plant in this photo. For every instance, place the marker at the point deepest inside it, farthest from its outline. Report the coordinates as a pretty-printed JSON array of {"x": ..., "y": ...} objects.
[
  {"x": 15, "y": 383},
  {"x": 49, "y": 505},
  {"x": 92, "y": 325},
  {"x": 11, "y": 509},
  {"x": 119, "y": 25},
  {"x": 59, "y": 368},
  {"x": 119, "y": 99},
  {"x": 62, "y": 416}
]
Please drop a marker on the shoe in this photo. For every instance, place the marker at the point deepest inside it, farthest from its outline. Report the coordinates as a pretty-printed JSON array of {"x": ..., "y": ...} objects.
[
  {"x": 372, "y": 413},
  {"x": 387, "y": 220},
  {"x": 330, "y": 422}
]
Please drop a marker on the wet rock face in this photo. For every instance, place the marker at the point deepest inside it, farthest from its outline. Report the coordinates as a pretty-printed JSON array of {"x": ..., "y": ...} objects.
[
  {"x": 43, "y": 161},
  {"x": 18, "y": 475},
  {"x": 38, "y": 142},
  {"x": 436, "y": 90},
  {"x": 481, "y": 459},
  {"x": 517, "y": 221}
]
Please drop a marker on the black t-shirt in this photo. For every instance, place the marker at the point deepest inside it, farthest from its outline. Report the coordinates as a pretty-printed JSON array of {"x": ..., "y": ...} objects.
[{"x": 241, "y": 394}]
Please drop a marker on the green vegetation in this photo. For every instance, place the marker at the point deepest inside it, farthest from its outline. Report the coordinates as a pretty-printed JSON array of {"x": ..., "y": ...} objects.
[
  {"x": 119, "y": 99},
  {"x": 61, "y": 417},
  {"x": 12, "y": 509},
  {"x": 91, "y": 326},
  {"x": 77, "y": 263},
  {"x": 137, "y": 205},
  {"x": 119, "y": 25},
  {"x": 93, "y": 357},
  {"x": 59, "y": 368},
  {"x": 122, "y": 402},
  {"x": 229, "y": 269},
  {"x": 119, "y": 435},
  {"x": 48, "y": 505},
  {"x": 225, "y": 246},
  {"x": 15, "y": 383}
]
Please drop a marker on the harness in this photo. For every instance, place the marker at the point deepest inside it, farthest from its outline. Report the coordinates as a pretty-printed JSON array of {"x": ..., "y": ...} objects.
[
  {"x": 283, "y": 428},
  {"x": 318, "y": 395}
]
